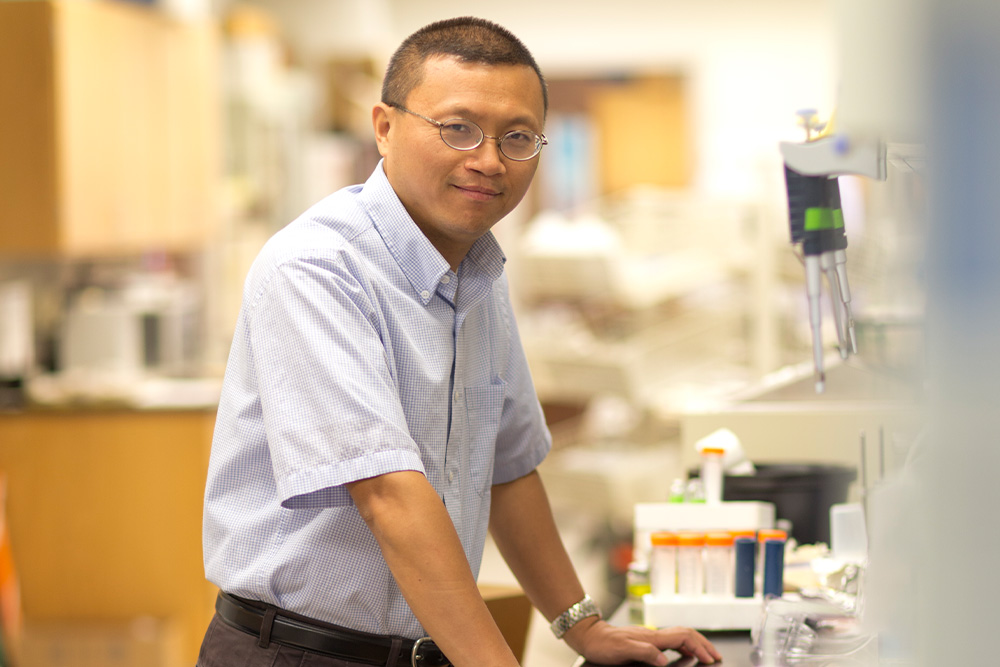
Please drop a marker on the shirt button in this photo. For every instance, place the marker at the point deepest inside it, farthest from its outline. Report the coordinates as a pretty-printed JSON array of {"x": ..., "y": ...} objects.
[
  {"x": 446, "y": 279},
  {"x": 451, "y": 475},
  {"x": 458, "y": 394},
  {"x": 425, "y": 294}
]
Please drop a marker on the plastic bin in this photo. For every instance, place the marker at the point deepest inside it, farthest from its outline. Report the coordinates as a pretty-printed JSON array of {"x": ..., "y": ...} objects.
[{"x": 801, "y": 493}]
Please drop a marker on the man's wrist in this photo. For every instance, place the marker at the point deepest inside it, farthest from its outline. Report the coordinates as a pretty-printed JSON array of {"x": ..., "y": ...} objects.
[{"x": 585, "y": 608}]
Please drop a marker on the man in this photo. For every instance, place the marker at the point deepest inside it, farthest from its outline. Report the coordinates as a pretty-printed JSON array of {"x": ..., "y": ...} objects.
[{"x": 378, "y": 415}]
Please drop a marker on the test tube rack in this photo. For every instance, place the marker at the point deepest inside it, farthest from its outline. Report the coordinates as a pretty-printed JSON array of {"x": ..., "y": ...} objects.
[
  {"x": 703, "y": 612},
  {"x": 728, "y": 515}
]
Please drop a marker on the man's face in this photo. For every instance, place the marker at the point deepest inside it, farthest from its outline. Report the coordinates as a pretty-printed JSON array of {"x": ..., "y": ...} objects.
[{"x": 457, "y": 196}]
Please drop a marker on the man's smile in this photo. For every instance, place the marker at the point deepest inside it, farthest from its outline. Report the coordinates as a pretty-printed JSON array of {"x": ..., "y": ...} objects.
[{"x": 478, "y": 193}]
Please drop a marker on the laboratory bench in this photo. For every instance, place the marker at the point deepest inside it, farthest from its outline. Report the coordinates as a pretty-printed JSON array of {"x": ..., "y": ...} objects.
[{"x": 104, "y": 511}]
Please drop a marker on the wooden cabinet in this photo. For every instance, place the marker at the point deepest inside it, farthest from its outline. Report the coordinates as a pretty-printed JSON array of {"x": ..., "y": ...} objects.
[
  {"x": 109, "y": 119},
  {"x": 104, "y": 512},
  {"x": 654, "y": 109}
]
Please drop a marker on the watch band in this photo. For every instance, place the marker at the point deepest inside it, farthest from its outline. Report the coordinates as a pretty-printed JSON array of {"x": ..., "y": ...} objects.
[{"x": 574, "y": 615}]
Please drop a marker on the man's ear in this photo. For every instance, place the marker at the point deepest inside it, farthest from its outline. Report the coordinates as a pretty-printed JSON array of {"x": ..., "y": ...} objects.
[{"x": 381, "y": 124}]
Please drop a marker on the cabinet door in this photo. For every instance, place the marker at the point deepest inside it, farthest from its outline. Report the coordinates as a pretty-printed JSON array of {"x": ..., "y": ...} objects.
[
  {"x": 192, "y": 135},
  {"x": 111, "y": 127},
  {"x": 662, "y": 158},
  {"x": 104, "y": 514},
  {"x": 28, "y": 151},
  {"x": 125, "y": 97}
]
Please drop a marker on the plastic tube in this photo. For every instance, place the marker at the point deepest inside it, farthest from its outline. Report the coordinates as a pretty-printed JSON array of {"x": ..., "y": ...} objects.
[
  {"x": 663, "y": 575},
  {"x": 711, "y": 474},
  {"x": 746, "y": 566},
  {"x": 636, "y": 586},
  {"x": 774, "y": 568},
  {"x": 690, "y": 568},
  {"x": 763, "y": 536},
  {"x": 719, "y": 570}
]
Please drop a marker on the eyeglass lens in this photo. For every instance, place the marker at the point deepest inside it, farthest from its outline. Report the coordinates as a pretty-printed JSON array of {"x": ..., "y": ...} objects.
[{"x": 466, "y": 135}]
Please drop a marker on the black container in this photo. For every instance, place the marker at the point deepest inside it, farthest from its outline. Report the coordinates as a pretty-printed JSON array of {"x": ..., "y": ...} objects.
[{"x": 801, "y": 493}]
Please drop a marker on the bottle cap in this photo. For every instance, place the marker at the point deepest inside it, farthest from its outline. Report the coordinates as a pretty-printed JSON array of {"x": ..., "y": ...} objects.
[
  {"x": 771, "y": 534},
  {"x": 691, "y": 539},
  {"x": 737, "y": 534},
  {"x": 663, "y": 539},
  {"x": 719, "y": 539},
  {"x": 638, "y": 567}
]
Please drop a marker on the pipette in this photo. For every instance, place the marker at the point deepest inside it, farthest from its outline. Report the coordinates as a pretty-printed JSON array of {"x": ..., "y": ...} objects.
[{"x": 817, "y": 222}]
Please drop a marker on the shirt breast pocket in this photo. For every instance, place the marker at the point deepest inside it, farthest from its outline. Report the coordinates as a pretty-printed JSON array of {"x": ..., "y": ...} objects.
[{"x": 484, "y": 406}]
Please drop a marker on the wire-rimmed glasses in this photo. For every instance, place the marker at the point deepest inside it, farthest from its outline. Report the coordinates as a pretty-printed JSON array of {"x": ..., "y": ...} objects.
[{"x": 464, "y": 135}]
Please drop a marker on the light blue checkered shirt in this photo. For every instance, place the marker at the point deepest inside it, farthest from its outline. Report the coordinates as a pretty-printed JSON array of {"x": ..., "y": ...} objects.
[{"x": 358, "y": 352}]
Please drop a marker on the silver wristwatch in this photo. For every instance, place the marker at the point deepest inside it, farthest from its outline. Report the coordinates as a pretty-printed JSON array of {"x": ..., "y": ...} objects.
[{"x": 574, "y": 615}]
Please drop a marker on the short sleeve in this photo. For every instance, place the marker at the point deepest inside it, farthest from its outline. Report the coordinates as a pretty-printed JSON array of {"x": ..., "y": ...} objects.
[{"x": 330, "y": 404}]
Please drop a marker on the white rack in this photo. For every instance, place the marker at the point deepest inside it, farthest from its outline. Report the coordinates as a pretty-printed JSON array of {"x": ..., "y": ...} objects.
[{"x": 702, "y": 612}]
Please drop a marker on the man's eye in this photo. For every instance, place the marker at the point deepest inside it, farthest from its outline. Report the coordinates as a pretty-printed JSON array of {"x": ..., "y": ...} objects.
[
  {"x": 458, "y": 128},
  {"x": 518, "y": 137}
]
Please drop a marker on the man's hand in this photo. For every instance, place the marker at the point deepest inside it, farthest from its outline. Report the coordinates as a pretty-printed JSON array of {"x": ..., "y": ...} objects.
[
  {"x": 605, "y": 644},
  {"x": 525, "y": 532}
]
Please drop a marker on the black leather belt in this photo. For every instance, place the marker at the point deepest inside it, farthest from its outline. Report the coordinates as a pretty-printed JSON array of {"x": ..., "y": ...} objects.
[{"x": 271, "y": 624}]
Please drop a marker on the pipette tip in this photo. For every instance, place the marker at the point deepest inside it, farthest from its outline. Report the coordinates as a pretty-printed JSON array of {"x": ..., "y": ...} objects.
[{"x": 820, "y": 383}]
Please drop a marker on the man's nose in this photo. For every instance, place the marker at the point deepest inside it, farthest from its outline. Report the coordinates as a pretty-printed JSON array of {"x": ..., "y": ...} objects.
[{"x": 487, "y": 158}]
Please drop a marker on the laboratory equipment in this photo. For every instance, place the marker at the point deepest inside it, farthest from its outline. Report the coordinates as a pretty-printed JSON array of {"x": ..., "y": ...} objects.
[
  {"x": 16, "y": 342},
  {"x": 764, "y": 536},
  {"x": 677, "y": 491},
  {"x": 694, "y": 492},
  {"x": 691, "y": 606},
  {"x": 816, "y": 221},
  {"x": 719, "y": 564},
  {"x": 774, "y": 567},
  {"x": 649, "y": 518},
  {"x": 711, "y": 474},
  {"x": 663, "y": 575},
  {"x": 690, "y": 566},
  {"x": 745, "y": 553},
  {"x": 637, "y": 586},
  {"x": 848, "y": 539},
  {"x": 802, "y": 494},
  {"x": 795, "y": 631}
]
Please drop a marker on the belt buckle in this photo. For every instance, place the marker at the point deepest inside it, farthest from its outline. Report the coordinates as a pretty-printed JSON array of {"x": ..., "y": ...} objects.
[{"x": 418, "y": 660}]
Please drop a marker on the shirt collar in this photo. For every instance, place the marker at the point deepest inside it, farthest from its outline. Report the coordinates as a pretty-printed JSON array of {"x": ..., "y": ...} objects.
[{"x": 416, "y": 256}]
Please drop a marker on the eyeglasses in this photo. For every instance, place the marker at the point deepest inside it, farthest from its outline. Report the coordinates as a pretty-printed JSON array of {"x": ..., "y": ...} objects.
[{"x": 464, "y": 135}]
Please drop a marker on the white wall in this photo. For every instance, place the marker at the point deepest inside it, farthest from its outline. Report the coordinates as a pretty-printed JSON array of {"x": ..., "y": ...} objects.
[{"x": 752, "y": 63}]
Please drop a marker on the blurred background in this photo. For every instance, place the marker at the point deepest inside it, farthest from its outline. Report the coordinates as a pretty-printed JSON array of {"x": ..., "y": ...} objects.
[{"x": 148, "y": 149}]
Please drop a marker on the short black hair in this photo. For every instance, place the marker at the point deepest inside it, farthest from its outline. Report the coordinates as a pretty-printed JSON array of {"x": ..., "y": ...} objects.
[{"x": 470, "y": 39}]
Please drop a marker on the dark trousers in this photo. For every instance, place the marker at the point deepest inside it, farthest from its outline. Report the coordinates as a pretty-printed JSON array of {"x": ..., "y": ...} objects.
[{"x": 225, "y": 646}]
